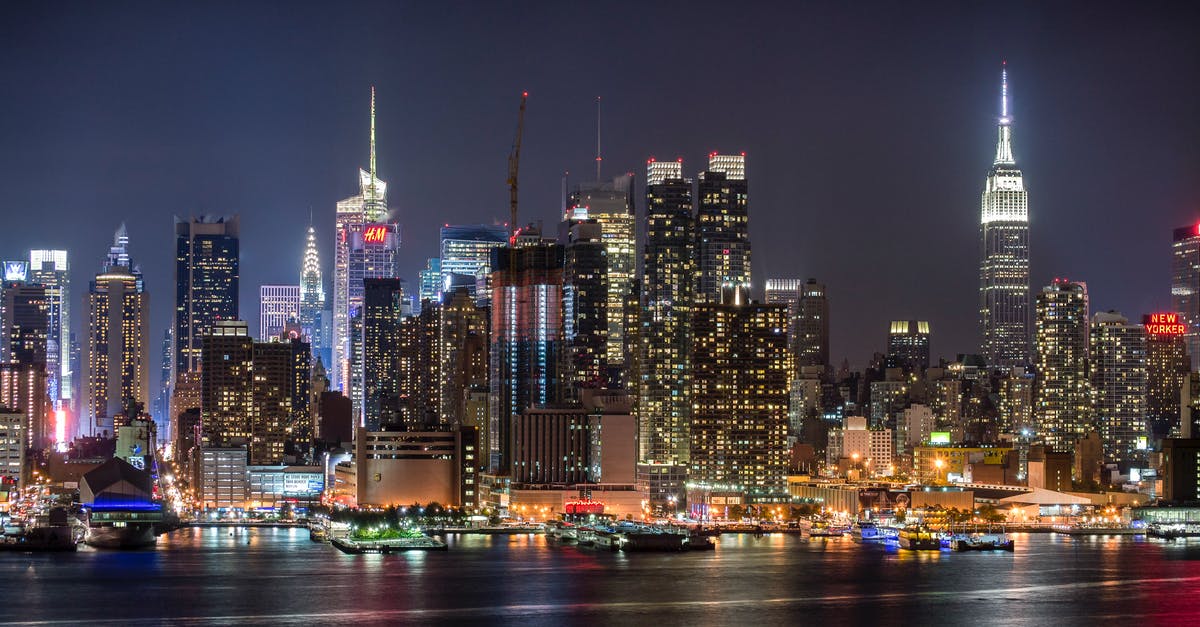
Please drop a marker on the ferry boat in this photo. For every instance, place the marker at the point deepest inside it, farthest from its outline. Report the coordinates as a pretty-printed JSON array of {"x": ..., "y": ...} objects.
[
  {"x": 983, "y": 542},
  {"x": 919, "y": 539},
  {"x": 868, "y": 532}
]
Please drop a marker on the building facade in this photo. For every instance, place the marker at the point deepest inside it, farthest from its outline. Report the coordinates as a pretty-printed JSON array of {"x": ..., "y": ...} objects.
[
  {"x": 722, "y": 227},
  {"x": 741, "y": 369},
  {"x": 664, "y": 406},
  {"x": 1185, "y": 285},
  {"x": 367, "y": 240},
  {"x": 207, "y": 272},
  {"x": 1062, "y": 401},
  {"x": 1117, "y": 369},
  {"x": 50, "y": 269},
  {"x": 277, "y": 306},
  {"x": 908, "y": 342},
  {"x": 1004, "y": 254},
  {"x": 527, "y": 337},
  {"x": 1167, "y": 366},
  {"x": 811, "y": 340},
  {"x": 116, "y": 363}
]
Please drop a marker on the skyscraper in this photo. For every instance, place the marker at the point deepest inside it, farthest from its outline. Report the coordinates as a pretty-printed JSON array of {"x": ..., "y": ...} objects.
[
  {"x": 462, "y": 356},
  {"x": 740, "y": 373},
  {"x": 585, "y": 308},
  {"x": 24, "y": 314},
  {"x": 247, "y": 392},
  {"x": 312, "y": 297},
  {"x": 277, "y": 305},
  {"x": 610, "y": 204},
  {"x": 207, "y": 259},
  {"x": 664, "y": 407},
  {"x": 467, "y": 257},
  {"x": 381, "y": 351},
  {"x": 1185, "y": 286},
  {"x": 368, "y": 236},
  {"x": 116, "y": 364},
  {"x": 527, "y": 337},
  {"x": 908, "y": 342},
  {"x": 784, "y": 292},
  {"x": 811, "y": 340},
  {"x": 50, "y": 269},
  {"x": 1004, "y": 254},
  {"x": 1167, "y": 365},
  {"x": 1062, "y": 399},
  {"x": 722, "y": 227},
  {"x": 430, "y": 288},
  {"x": 1117, "y": 369}
]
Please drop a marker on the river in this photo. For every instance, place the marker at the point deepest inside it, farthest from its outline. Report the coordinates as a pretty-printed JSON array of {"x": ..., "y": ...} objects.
[{"x": 278, "y": 576}]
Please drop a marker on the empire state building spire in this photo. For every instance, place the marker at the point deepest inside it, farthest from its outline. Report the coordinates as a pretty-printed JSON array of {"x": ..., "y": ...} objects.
[
  {"x": 1004, "y": 153},
  {"x": 1004, "y": 265}
]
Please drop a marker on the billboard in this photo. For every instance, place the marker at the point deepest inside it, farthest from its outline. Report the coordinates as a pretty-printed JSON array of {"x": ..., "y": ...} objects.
[
  {"x": 375, "y": 234},
  {"x": 16, "y": 271},
  {"x": 1165, "y": 323},
  {"x": 939, "y": 437}
]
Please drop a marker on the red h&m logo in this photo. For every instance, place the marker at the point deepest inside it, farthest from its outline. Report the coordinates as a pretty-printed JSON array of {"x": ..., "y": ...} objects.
[{"x": 375, "y": 234}]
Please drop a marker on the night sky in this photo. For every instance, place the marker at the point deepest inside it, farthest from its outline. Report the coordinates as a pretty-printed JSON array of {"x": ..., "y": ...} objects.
[{"x": 869, "y": 131}]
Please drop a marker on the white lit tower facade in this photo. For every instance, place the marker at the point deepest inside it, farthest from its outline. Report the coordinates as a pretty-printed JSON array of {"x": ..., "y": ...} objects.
[
  {"x": 312, "y": 295},
  {"x": 1062, "y": 392},
  {"x": 722, "y": 227},
  {"x": 1117, "y": 368},
  {"x": 365, "y": 246},
  {"x": 1004, "y": 254},
  {"x": 49, "y": 268}
]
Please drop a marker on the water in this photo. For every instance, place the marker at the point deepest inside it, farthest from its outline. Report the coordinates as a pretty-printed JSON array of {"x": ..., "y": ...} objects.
[{"x": 278, "y": 576}]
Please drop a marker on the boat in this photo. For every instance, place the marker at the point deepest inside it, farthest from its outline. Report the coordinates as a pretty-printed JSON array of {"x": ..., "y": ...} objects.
[
  {"x": 919, "y": 539},
  {"x": 52, "y": 532},
  {"x": 983, "y": 542},
  {"x": 865, "y": 532},
  {"x": 317, "y": 533}
]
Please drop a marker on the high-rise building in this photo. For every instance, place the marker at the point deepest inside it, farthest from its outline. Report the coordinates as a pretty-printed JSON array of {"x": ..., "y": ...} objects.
[
  {"x": 610, "y": 204},
  {"x": 1004, "y": 254},
  {"x": 23, "y": 389},
  {"x": 367, "y": 239},
  {"x": 1167, "y": 365},
  {"x": 527, "y": 337},
  {"x": 908, "y": 342},
  {"x": 24, "y": 314},
  {"x": 585, "y": 308},
  {"x": 381, "y": 350},
  {"x": 207, "y": 258},
  {"x": 664, "y": 406},
  {"x": 811, "y": 340},
  {"x": 722, "y": 227},
  {"x": 1117, "y": 369},
  {"x": 1185, "y": 286},
  {"x": 467, "y": 257},
  {"x": 430, "y": 288},
  {"x": 247, "y": 392},
  {"x": 116, "y": 364},
  {"x": 741, "y": 367},
  {"x": 312, "y": 297},
  {"x": 1062, "y": 399},
  {"x": 277, "y": 305},
  {"x": 785, "y": 292},
  {"x": 462, "y": 356},
  {"x": 50, "y": 269}
]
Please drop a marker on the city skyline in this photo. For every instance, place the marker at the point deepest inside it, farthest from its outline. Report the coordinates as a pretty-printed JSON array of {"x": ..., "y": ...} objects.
[{"x": 805, "y": 226}]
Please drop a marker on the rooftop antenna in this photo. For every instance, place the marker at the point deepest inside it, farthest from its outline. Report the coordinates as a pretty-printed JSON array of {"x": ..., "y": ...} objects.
[
  {"x": 565, "y": 174},
  {"x": 372, "y": 134},
  {"x": 598, "y": 157}
]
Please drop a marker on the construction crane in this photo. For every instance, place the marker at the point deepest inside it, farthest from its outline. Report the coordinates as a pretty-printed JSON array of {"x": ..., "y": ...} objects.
[{"x": 514, "y": 162}]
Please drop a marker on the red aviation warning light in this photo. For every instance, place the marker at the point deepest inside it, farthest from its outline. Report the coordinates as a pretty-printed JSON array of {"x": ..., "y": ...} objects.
[
  {"x": 1163, "y": 324},
  {"x": 375, "y": 234}
]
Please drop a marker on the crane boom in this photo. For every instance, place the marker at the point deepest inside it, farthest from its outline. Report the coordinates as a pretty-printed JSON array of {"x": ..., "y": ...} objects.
[{"x": 514, "y": 162}]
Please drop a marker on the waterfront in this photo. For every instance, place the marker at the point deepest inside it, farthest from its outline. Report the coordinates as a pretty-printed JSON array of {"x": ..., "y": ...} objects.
[{"x": 278, "y": 576}]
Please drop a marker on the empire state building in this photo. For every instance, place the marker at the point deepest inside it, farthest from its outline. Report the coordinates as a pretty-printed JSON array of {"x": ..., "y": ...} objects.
[{"x": 1004, "y": 254}]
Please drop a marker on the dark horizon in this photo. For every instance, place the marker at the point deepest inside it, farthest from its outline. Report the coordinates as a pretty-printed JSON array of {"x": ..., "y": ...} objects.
[{"x": 869, "y": 131}]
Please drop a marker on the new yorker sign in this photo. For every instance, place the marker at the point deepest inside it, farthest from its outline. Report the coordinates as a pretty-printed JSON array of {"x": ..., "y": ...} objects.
[{"x": 1163, "y": 324}]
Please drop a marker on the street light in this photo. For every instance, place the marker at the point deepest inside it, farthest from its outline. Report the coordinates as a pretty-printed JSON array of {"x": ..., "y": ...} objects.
[{"x": 938, "y": 463}]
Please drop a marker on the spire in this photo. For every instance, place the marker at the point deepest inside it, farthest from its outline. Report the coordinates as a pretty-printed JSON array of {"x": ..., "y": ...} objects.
[
  {"x": 1004, "y": 153},
  {"x": 598, "y": 157},
  {"x": 372, "y": 133}
]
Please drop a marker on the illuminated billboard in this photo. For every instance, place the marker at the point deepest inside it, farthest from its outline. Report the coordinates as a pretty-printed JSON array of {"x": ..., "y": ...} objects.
[
  {"x": 939, "y": 437},
  {"x": 17, "y": 271},
  {"x": 1163, "y": 324},
  {"x": 375, "y": 234}
]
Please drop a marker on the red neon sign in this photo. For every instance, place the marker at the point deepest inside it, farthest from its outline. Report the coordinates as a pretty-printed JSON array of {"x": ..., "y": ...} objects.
[
  {"x": 1163, "y": 324},
  {"x": 375, "y": 234}
]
